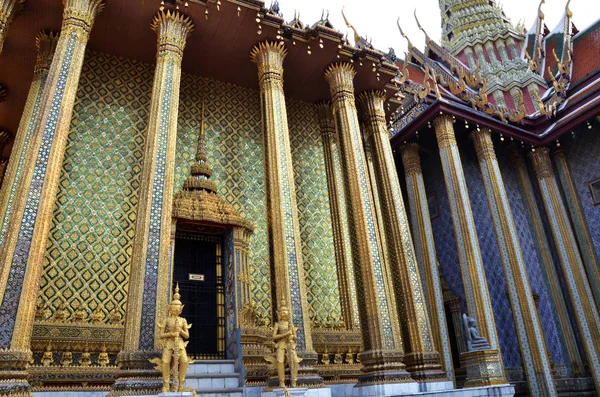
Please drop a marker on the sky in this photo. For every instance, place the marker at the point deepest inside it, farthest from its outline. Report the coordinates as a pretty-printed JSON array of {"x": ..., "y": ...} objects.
[{"x": 377, "y": 18}]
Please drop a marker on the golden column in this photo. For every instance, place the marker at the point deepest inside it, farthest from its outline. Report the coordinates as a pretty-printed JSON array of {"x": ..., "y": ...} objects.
[
  {"x": 527, "y": 322},
  {"x": 46, "y": 45},
  {"x": 383, "y": 355},
  {"x": 339, "y": 217},
  {"x": 586, "y": 246},
  {"x": 8, "y": 11},
  {"x": 574, "y": 275},
  {"x": 150, "y": 268},
  {"x": 543, "y": 249},
  {"x": 284, "y": 230},
  {"x": 421, "y": 358},
  {"x": 21, "y": 257},
  {"x": 425, "y": 249},
  {"x": 488, "y": 362}
]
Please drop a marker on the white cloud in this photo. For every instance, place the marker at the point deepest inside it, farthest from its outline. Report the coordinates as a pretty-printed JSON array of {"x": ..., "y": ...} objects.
[{"x": 377, "y": 18}]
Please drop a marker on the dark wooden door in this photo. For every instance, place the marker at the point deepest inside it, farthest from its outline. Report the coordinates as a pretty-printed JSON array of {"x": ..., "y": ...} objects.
[{"x": 197, "y": 258}]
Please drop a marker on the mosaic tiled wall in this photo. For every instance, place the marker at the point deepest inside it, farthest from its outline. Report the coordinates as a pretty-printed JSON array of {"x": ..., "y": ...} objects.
[
  {"x": 313, "y": 212},
  {"x": 448, "y": 256},
  {"x": 90, "y": 245},
  {"x": 89, "y": 248},
  {"x": 582, "y": 156}
]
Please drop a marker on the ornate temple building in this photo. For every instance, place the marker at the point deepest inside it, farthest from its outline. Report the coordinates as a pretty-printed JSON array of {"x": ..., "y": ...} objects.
[{"x": 430, "y": 224}]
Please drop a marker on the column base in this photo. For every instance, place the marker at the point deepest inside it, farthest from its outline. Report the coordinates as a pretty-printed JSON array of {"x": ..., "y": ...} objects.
[
  {"x": 425, "y": 367},
  {"x": 13, "y": 373},
  {"x": 137, "y": 375},
  {"x": 484, "y": 368},
  {"x": 383, "y": 366}
]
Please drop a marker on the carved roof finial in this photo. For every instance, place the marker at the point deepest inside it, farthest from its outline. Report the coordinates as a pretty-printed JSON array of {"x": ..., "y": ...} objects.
[
  {"x": 356, "y": 35},
  {"x": 427, "y": 38},
  {"x": 410, "y": 45}
]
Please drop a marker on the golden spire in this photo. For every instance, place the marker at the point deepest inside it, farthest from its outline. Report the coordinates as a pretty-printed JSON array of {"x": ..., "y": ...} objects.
[{"x": 201, "y": 171}]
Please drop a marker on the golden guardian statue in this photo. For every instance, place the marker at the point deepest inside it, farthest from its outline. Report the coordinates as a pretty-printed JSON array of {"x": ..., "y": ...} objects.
[{"x": 174, "y": 331}]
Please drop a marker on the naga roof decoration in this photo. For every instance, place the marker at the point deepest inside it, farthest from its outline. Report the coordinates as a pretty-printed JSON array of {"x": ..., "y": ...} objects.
[{"x": 486, "y": 71}]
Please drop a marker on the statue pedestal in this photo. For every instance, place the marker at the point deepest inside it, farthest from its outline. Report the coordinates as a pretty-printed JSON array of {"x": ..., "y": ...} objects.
[
  {"x": 484, "y": 368},
  {"x": 176, "y": 394},
  {"x": 293, "y": 392}
]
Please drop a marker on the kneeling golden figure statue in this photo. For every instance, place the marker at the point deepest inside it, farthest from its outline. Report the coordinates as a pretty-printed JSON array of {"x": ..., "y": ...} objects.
[
  {"x": 284, "y": 336},
  {"x": 174, "y": 361}
]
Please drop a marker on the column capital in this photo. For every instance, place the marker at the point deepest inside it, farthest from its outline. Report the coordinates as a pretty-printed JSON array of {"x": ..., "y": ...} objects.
[
  {"x": 484, "y": 146},
  {"x": 340, "y": 76},
  {"x": 444, "y": 130},
  {"x": 269, "y": 56},
  {"x": 45, "y": 41},
  {"x": 516, "y": 158},
  {"x": 172, "y": 29},
  {"x": 325, "y": 118},
  {"x": 8, "y": 10},
  {"x": 540, "y": 157},
  {"x": 81, "y": 14},
  {"x": 558, "y": 152},
  {"x": 410, "y": 158}
]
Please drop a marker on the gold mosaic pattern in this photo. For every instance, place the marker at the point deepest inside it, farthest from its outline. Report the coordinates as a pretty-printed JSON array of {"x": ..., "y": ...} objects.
[
  {"x": 314, "y": 215},
  {"x": 89, "y": 246}
]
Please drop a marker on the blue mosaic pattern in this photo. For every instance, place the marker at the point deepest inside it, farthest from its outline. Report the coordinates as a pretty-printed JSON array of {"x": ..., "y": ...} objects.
[
  {"x": 534, "y": 266},
  {"x": 154, "y": 233},
  {"x": 448, "y": 254},
  {"x": 416, "y": 191},
  {"x": 547, "y": 187},
  {"x": 22, "y": 157},
  {"x": 582, "y": 156},
  {"x": 505, "y": 236},
  {"x": 12, "y": 293}
]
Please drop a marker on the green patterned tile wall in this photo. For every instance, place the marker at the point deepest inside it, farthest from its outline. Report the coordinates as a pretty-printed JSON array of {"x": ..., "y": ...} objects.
[
  {"x": 90, "y": 242},
  {"x": 314, "y": 214}
]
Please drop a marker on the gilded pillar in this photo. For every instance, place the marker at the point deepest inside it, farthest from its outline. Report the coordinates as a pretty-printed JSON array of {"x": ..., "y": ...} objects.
[
  {"x": 383, "y": 348},
  {"x": 425, "y": 251},
  {"x": 8, "y": 11},
  {"x": 565, "y": 329},
  {"x": 574, "y": 275},
  {"x": 469, "y": 253},
  {"x": 529, "y": 329},
  {"x": 46, "y": 45},
  {"x": 21, "y": 256},
  {"x": 284, "y": 230},
  {"x": 150, "y": 258},
  {"x": 586, "y": 246},
  {"x": 339, "y": 217},
  {"x": 421, "y": 358}
]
